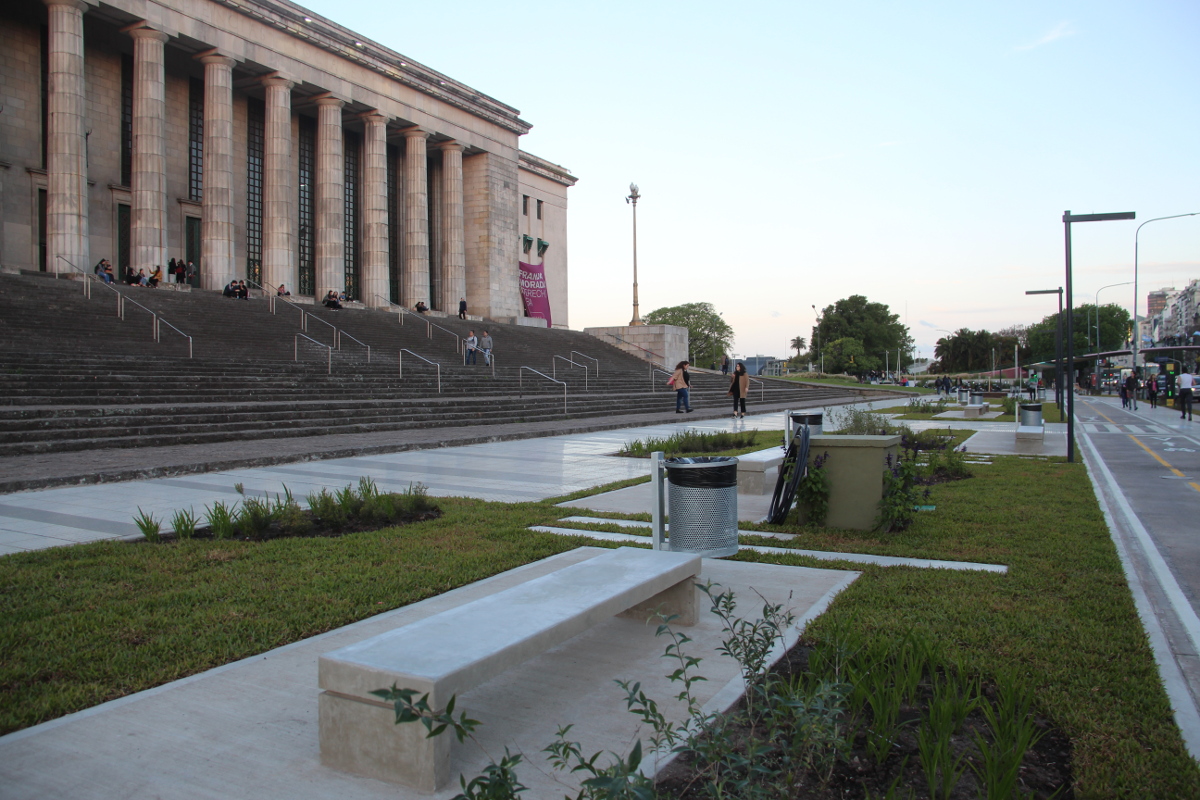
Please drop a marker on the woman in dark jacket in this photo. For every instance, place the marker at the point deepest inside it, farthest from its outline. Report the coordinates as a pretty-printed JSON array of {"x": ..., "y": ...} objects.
[{"x": 739, "y": 387}]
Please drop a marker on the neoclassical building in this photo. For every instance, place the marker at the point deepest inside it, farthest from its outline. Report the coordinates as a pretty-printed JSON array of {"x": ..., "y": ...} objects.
[{"x": 261, "y": 141}]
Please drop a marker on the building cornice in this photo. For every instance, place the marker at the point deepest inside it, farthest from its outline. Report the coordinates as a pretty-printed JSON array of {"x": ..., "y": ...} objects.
[
  {"x": 320, "y": 32},
  {"x": 546, "y": 169}
]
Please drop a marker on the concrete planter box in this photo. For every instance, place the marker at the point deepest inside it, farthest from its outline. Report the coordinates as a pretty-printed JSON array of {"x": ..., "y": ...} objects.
[{"x": 856, "y": 465}]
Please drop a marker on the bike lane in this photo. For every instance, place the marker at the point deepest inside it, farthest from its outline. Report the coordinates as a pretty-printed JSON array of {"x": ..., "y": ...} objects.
[{"x": 1145, "y": 467}]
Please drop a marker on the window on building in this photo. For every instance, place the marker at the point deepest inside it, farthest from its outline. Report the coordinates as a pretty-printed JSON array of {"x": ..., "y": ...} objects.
[
  {"x": 352, "y": 144},
  {"x": 525, "y": 205},
  {"x": 393, "y": 215},
  {"x": 126, "y": 119},
  {"x": 256, "y": 119},
  {"x": 539, "y": 209},
  {"x": 124, "y": 238},
  {"x": 196, "y": 140},
  {"x": 45, "y": 73},
  {"x": 306, "y": 157}
]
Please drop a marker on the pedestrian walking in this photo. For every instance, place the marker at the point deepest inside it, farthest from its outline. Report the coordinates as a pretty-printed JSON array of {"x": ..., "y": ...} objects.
[
  {"x": 724, "y": 365},
  {"x": 682, "y": 382},
  {"x": 739, "y": 387},
  {"x": 462, "y": 308},
  {"x": 1131, "y": 387},
  {"x": 1185, "y": 384},
  {"x": 1152, "y": 391},
  {"x": 485, "y": 344},
  {"x": 472, "y": 343}
]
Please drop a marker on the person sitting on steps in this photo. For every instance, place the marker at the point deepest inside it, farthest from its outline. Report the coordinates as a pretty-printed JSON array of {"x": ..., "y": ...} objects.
[
  {"x": 331, "y": 300},
  {"x": 420, "y": 307}
]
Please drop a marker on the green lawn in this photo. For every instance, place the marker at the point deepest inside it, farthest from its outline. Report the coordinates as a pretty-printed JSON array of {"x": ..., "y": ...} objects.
[
  {"x": 1050, "y": 413},
  {"x": 94, "y": 622}
]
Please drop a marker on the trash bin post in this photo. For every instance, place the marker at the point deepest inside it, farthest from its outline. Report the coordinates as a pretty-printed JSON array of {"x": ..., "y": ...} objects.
[{"x": 657, "y": 497}]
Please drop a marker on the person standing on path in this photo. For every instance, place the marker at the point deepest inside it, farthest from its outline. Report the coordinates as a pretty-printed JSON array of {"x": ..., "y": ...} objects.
[
  {"x": 739, "y": 387},
  {"x": 1131, "y": 387},
  {"x": 682, "y": 382},
  {"x": 471, "y": 343},
  {"x": 1152, "y": 391},
  {"x": 485, "y": 344},
  {"x": 724, "y": 365},
  {"x": 1186, "y": 382},
  {"x": 462, "y": 308}
]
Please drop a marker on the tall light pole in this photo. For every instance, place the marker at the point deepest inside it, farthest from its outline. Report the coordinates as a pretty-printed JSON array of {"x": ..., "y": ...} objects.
[
  {"x": 1057, "y": 346},
  {"x": 1137, "y": 332},
  {"x": 820, "y": 353},
  {"x": 1067, "y": 219},
  {"x": 633, "y": 198}
]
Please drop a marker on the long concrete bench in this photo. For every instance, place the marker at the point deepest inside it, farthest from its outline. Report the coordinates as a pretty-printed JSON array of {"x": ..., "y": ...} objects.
[
  {"x": 451, "y": 652},
  {"x": 752, "y": 469}
]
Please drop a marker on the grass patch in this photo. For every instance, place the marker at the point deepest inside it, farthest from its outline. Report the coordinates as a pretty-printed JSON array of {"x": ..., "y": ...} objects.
[
  {"x": 834, "y": 380},
  {"x": 698, "y": 443},
  {"x": 90, "y": 623}
]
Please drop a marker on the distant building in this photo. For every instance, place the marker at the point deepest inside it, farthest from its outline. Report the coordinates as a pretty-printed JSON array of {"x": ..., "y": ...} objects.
[
  {"x": 1157, "y": 301},
  {"x": 259, "y": 140}
]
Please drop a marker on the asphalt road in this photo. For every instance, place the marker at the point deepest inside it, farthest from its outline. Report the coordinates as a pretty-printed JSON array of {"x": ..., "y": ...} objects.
[{"x": 1145, "y": 466}]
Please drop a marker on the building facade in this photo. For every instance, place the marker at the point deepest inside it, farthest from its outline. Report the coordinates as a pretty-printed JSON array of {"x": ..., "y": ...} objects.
[{"x": 259, "y": 140}]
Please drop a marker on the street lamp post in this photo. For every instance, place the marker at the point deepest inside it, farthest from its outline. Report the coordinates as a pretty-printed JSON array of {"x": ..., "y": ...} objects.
[
  {"x": 1067, "y": 219},
  {"x": 1057, "y": 346},
  {"x": 632, "y": 199},
  {"x": 1137, "y": 332},
  {"x": 1098, "y": 291},
  {"x": 820, "y": 353}
]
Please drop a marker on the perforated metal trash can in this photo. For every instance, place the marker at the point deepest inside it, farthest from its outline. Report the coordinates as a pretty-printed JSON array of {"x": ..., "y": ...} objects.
[
  {"x": 702, "y": 493},
  {"x": 815, "y": 422},
  {"x": 1031, "y": 415}
]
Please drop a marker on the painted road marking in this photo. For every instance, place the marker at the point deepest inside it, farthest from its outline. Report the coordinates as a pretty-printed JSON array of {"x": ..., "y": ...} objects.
[{"x": 1159, "y": 458}]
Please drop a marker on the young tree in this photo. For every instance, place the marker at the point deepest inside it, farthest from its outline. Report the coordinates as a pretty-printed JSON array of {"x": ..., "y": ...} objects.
[
  {"x": 873, "y": 325},
  {"x": 709, "y": 336}
]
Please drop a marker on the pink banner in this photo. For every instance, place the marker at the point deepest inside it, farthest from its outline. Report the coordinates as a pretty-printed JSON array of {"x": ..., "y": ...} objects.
[{"x": 533, "y": 291}]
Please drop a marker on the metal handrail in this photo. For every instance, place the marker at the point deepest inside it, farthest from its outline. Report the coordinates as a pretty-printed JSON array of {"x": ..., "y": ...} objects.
[
  {"x": 554, "y": 371},
  {"x": 653, "y": 383},
  {"x": 429, "y": 325},
  {"x": 272, "y": 296},
  {"x": 308, "y": 316},
  {"x": 400, "y": 310},
  {"x": 162, "y": 321},
  {"x": 400, "y": 361},
  {"x": 155, "y": 319},
  {"x": 296, "y": 351},
  {"x": 763, "y": 391},
  {"x": 619, "y": 340},
  {"x": 585, "y": 355},
  {"x": 338, "y": 334},
  {"x": 521, "y": 383},
  {"x": 87, "y": 284}
]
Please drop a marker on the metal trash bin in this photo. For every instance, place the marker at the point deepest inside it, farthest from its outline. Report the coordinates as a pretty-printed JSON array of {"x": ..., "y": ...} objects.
[
  {"x": 814, "y": 421},
  {"x": 1031, "y": 415},
  {"x": 1041, "y": 393},
  {"x": 702, "y": 495},
  {"x": 962, "y": 396},
  {"x": 975, "y": 398}
]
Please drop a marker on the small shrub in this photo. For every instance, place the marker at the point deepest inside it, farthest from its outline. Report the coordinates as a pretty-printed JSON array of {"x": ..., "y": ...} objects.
[
  {"x": 220, "y": 520},
  {"x": 896, "y": 507},
  {"x": 692, "y": 442},
  {"x": 294, "y": 520},
  {"x": 326, "y": 509},
  {"x": 349, "y": 501},
  {"x": 812, "y": 493},
  {"x": 255, "y": 517},
  {"x": 150, "y": 527},
  {"x": 184, "y": 523}
]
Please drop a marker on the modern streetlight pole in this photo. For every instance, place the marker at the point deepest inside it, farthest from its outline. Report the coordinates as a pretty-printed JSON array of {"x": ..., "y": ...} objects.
[
  {"x": 1137, "y": 332},
  {"x": 1098, "y": 291},
  {"x": 632, "y": 199},
  {"x": 1067, "y": 219},
  {"x": 820, "y": 354},
  {"x": 1058, "y": 387}
]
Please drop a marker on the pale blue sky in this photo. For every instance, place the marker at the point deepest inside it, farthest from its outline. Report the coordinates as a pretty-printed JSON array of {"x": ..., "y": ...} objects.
[{"x": 792, "y": 154}]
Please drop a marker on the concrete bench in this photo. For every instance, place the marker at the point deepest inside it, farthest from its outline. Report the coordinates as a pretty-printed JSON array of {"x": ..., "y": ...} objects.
[
  {"x": 1037, "y": 432},
  {"x": 752, "y": 470},
  {"x": 974, "y": 412},
  {"x": 451, "y": 652}
]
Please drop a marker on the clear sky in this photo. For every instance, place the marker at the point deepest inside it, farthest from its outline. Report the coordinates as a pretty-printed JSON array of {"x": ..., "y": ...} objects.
[{"x": 795, "y": 153}]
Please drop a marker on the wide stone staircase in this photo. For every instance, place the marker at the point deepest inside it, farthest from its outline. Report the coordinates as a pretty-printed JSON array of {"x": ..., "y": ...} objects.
[{"x": 76, "y": 376}]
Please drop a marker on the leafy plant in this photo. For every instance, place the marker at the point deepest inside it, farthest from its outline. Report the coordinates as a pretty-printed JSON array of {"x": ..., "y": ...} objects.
[
  {"x": 812, "y": 493},
  {"x": 150, "y": 527},
  {"x": 691, "y": 442},
  {"x": 184, "y": 523},
  {"x": 327, "y": 509},
  {"x": 255, "y": 517},
  {"x": 896, "y": 507},
  {"x": 220, "y": 520},
  {"x": 1014, "y": 732}
]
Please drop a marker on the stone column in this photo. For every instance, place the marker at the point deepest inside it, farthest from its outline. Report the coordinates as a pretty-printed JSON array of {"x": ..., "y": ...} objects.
[
  {"x": 279, "y": 196},
  {"x": 415, "y": 285},
  {"x": 66, "y": 141},
  {"x": 149, "y": 217},
  {"x": 331, "y": 198},
  {"x": 374, "y": 210},
  {"x": 454, "y": 270},
  {"x": 216, "y": 226}
]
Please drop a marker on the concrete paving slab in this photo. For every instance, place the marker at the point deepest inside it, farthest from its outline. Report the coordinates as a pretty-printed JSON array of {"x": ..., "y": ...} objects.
[
  {"x": 1005, "y": 442},
  {"x": 249, "y": 729}
]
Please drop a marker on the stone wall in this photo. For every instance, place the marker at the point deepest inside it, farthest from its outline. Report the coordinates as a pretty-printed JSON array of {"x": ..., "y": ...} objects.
[{"x": 666, "y": 345}]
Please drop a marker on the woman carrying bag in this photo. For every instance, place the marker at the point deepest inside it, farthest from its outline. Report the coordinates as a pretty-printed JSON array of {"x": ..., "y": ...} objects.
[
  {"x": 739, "y": 387},
  {"x": 682, "y": 381}
]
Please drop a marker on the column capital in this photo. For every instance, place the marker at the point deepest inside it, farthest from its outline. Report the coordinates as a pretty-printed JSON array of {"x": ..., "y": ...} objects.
[
  {"x": 141, "y": 30},
  {"x": 328, "y": 100},
  {"x": 275, "y": 79},
  {"x": 214, "y": 56},
  {"x": 415, "y": 133},
  {"x": 78, "y": 5},
  {"x": 450, "y": 145},
  {"x": 374, "y": 117}
]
